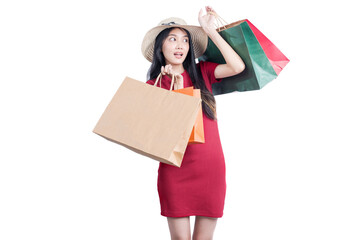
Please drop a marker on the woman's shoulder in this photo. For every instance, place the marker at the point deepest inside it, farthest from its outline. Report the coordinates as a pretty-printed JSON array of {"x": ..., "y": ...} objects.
[
  {"x": 208, "y": 71},
  {"x": 205, "y": 65}
]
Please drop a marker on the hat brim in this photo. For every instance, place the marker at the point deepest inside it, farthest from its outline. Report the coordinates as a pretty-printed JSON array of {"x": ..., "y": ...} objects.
[{"x": 198, "y": 36}]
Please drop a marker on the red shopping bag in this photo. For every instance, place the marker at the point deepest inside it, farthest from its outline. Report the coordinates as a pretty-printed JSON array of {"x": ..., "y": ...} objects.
[{"x": 277, "y": 59}]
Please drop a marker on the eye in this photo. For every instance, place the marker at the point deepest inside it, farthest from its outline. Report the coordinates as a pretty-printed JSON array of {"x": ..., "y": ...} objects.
[
  {"x": 172, "y": 39},
  {"x": 186, "y": 40}
]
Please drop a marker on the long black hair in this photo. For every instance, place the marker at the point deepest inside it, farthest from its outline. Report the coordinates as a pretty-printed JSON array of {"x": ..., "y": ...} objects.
[{"x": 208, "y": 99}]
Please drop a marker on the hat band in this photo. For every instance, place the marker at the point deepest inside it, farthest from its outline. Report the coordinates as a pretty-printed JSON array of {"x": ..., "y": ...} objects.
[{"x": 169, "y": 23}]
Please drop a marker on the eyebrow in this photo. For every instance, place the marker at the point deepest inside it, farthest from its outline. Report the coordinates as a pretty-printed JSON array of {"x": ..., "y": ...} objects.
[{"x": 172, "y": 34}]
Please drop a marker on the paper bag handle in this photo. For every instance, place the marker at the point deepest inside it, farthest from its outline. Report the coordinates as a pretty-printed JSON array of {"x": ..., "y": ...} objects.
[
  {"x": 220, "y": 23},
  {"x": 160, "y": 77}
]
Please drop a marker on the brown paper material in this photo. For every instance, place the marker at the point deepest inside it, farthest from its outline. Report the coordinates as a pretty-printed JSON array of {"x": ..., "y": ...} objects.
[{"x": 151, "y": 121}]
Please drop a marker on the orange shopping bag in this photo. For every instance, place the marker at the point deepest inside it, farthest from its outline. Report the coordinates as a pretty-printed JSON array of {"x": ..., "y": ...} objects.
[{"x": 197, "y": 134}]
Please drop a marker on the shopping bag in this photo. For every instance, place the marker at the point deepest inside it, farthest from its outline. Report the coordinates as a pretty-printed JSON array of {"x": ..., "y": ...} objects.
[
  {"x": 277, "y": 59},
  {"x": 151, "y": 121},
  {"x": 259, "y": 70},
  {"x": 197, "y": 133}
]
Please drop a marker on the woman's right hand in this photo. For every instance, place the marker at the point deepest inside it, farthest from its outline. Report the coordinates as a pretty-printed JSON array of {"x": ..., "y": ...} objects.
[{"x": 178, "y": 78}]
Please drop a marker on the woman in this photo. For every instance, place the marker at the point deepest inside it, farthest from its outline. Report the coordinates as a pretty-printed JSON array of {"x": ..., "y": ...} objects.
[{"x": 198, "y": 187}]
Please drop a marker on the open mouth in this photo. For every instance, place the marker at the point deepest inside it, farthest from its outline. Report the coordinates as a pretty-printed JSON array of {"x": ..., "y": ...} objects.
[{"x": 178, "y": 55}]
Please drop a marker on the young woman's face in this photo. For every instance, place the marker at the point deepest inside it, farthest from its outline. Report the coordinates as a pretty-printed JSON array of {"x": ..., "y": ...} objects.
[{"x": 176, "y": 47}]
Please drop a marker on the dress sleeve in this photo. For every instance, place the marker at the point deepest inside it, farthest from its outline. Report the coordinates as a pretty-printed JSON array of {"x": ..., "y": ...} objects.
[
  {"x": 208, "y": 72},
  {"x": 151, "y": 82}
]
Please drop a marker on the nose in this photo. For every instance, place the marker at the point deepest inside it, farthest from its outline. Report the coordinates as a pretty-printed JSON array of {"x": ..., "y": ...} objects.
[{"x": 179, "y": 45}]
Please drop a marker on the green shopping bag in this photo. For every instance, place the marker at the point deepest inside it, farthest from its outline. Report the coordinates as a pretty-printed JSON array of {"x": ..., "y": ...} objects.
[{"x": 258, "y": 71}]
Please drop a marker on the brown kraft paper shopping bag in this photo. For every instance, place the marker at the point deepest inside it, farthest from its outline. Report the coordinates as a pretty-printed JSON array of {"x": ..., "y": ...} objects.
[
  {"x": 197, "y": 133},
  {"x": 151, "y": 121}
]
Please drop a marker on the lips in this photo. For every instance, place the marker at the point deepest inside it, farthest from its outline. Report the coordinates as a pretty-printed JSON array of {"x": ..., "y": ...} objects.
[{"x": 178, "y": 54}]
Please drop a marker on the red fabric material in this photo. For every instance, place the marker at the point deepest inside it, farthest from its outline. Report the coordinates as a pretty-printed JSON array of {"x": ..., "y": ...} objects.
[{"x": 198, "y": 187}]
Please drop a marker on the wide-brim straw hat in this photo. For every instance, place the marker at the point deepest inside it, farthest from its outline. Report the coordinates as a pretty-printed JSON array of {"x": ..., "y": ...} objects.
[{"x": 198, "y": 36}]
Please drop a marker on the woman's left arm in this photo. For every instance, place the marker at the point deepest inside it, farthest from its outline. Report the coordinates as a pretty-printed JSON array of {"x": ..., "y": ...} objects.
[{"x": 234, "y": 64}]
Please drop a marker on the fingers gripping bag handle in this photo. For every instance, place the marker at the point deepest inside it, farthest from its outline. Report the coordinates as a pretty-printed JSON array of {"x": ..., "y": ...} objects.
[{"x": 220, "y": 23}]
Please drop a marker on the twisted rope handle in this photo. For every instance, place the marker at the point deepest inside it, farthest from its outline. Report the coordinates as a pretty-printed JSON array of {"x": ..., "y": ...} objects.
[
  {"x": 220, "y": 22},
  {"x": 160, "y": 77}
]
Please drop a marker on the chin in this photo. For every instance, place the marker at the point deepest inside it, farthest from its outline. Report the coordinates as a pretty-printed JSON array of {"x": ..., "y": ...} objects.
[{"x": 177, "y": 62}]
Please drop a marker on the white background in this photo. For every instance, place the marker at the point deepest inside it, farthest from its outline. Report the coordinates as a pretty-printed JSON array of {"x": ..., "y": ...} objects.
[{"x": 292, "y": 148}]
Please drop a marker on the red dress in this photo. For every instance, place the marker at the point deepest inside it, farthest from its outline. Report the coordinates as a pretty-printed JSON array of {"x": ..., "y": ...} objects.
[{"x": 198, "y": 187}]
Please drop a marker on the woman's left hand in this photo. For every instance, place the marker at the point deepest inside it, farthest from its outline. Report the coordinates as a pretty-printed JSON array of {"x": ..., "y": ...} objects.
[
  {"x": 207, "y": 21},
  {"x": 234, "y": 64}
]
